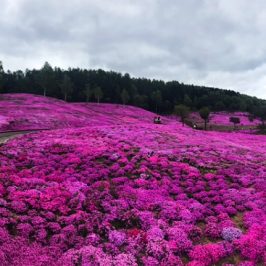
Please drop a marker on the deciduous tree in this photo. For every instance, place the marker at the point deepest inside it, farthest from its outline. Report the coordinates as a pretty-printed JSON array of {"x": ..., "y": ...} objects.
[
  {"x": 182, "y": 111},
  {"x": 235, "y": 120},
  {"x": 204, "y": 114},
  {"x": 124, "y": 96}
]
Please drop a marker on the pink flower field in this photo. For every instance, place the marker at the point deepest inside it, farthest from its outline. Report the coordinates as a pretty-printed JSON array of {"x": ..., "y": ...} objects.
[
  {"x": 105, "y": 186},
  {"x": 223, "y": 119},
  {"x": 26, "y": 111}
]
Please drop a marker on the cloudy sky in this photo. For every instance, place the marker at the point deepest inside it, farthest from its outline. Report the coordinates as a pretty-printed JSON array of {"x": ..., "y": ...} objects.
[{"x": 219, "y": 43}]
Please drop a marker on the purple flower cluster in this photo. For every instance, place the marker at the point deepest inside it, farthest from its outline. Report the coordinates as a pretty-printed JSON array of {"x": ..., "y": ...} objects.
[
  {"x": 231, "y": 233},
  {"x": 117, "y": 238}
]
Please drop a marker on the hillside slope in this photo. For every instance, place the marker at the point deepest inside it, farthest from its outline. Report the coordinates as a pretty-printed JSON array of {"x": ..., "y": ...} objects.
[
  {"x": 26, "y": 111},
  {"x": 124, "y": 191}
]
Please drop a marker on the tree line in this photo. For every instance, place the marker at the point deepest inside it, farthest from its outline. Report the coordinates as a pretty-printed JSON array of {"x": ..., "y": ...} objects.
[{"x": 80, "y": 85}]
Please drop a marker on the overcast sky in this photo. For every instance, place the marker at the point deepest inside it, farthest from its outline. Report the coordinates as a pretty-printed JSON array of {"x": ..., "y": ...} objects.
[{"x": 219, "y": 43}]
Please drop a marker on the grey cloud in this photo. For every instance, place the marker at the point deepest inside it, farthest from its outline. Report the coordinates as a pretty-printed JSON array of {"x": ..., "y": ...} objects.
[{"x": 209, "y": 42}]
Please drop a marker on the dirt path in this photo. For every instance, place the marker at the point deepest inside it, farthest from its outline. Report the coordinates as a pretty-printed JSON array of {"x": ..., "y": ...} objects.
[{"x": 4, "y": 137}]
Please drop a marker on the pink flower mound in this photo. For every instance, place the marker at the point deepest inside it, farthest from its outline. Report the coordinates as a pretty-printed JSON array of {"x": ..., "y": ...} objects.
[
  {"x": 207, "y": 254},
  {"x": 88, "y": 255},
  {"x": 179, "y": 241},
  {"x": 20, "y": 252},
  {"x": 117, "y": 238},
  {"x": 122, "y": 193},
  {"x": 253, "y": 245}
]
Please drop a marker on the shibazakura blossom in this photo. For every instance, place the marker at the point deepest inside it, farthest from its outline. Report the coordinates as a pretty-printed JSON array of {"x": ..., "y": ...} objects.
[
  {"x": 223, "y": 118},
  {"x": 130, "y": 192},
  {"x": 26, "y": 111}
]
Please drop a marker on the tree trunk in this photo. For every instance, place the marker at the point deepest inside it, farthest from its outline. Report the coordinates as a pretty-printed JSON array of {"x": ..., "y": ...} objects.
[
  {"x": 98, "y": 100},
  {"x": 205, "y": 124},
  {"x": 65, "y": 97},
  {"x": 44, "y": 92}
]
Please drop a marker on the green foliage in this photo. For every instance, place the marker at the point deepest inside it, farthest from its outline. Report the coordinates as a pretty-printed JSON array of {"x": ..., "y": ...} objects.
[
  {"x": 187, "y": 100},
  {"x": 88, "y": 92},
  {"x": 98, "y": 94},
  {"x": 141, "y": 101},
  {"x": 204, "y": 114},
  {"x": 154, "y": 95},
  {"x": 182, "y": 111},
  {"x": 124, "y": 96},
  {"x": 1, "y": 76},
  {"x": 66, "y": 86},
  {"x": 157, "y": 99},
  {"x": 260, "y": 112},
  {"x": 219, "y": 106},
  {"x": 45, "y": 77}
]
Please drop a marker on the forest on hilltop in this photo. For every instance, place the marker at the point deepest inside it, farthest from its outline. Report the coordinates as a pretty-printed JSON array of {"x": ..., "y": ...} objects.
[{"x": 79, "y": 85}]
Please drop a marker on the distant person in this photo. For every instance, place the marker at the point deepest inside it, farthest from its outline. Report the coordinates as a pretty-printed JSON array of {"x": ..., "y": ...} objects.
[{"x": 157, "y": 120}]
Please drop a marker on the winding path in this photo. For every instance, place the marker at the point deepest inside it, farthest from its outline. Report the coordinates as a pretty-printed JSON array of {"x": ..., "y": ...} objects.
[{"x": 5, "y": 136}]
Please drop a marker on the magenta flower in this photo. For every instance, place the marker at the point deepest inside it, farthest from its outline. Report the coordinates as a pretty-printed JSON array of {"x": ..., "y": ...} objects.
[{"x": 117, "y": 238}]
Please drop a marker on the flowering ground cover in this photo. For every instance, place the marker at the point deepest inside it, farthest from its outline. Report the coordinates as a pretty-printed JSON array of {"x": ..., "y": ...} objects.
[
  {"x": 26, "y": 111},
  {"x": 223, "y": 118},
  {"x": 130, "y": 192},
  {"x": 220, "y": 119}
]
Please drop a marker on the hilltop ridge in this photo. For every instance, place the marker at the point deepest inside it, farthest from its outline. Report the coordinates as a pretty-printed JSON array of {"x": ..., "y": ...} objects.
[{"x": 27, "y": 111}]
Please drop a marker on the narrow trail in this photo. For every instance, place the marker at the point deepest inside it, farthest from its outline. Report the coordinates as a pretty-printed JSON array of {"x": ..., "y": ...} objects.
[{"x": 5, "y": 136}]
